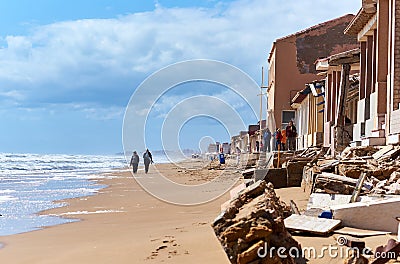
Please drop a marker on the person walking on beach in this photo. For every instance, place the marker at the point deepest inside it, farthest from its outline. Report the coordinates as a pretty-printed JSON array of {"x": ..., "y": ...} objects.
[
  {"x": 291, "y": 133},
  {"x": 147, "y": 158},
  {"x": 135, "y": 162}
]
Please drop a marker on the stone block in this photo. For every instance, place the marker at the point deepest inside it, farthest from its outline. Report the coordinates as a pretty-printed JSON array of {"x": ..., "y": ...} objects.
[
  {"x": 295, "y": 173},
  {"x": 278, "y": 177},
  {"x": 373, "y": 141}
]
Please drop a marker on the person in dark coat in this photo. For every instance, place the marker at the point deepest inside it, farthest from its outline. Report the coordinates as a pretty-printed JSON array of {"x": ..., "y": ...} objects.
[
  {"x": 135, "y": 162},
  {"x": 147, "y": 158},
  {"x": 291, "y": 134}
]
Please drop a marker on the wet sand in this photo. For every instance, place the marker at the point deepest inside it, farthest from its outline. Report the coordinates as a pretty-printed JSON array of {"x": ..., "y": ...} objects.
[{"x": 129, "y": 226}]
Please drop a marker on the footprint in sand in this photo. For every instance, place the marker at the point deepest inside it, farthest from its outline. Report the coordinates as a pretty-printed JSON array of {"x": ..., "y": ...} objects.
[
  {"x": 169, "y": 243},
  {"x": 200, "y": 224}
]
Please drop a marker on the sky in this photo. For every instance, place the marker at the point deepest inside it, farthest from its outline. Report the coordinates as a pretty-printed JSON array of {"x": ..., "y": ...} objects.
[{"x": 68, "y": 69}]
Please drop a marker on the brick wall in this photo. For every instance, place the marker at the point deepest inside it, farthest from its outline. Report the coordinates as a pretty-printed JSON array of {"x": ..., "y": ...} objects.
[{"x": 396, "y": 84}]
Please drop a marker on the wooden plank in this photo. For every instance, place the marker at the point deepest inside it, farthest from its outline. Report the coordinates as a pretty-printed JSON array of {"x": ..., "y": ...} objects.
[
  {"x": 344, "y": 179},
  {"x": 311, "y": 224},
  {"x": 358, "y": 188},
  {"x": 332, "y": 176},
  {"x": 294, "y": 208},
  {"x": 394, "y": 153},
  {"x": 353, "y": 161},
  {"x": 382, "y": 152},
  {"x": 343, "y": 88},
  {"x": 328, "y": 166}
]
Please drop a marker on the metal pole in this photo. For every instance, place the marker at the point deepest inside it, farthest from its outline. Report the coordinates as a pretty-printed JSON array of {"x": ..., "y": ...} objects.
[{"x": 261, "y": 94}]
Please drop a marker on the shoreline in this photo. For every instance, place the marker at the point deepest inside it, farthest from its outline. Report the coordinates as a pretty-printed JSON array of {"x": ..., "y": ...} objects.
[{"x": 121, "y": 218}]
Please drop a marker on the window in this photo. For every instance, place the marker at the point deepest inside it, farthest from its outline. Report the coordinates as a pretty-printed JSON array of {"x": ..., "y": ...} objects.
[{"x": 287, "y": 116}]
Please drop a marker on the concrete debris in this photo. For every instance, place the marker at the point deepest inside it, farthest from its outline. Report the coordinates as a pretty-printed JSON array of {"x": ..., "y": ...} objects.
[
  {"x": 354, "y": 152},
  {"x": 253, "y": 219},
  {"x": 382, "y": 172},
  {"x": 310, "y": 224},
  {"x": 359, "y": 190},
  {"x": 372, "y": 215},
  {"x": 336, "y": 184}
]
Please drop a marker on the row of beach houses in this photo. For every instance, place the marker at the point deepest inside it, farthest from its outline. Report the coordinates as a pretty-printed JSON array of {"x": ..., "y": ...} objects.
[{"x": 339, "y": 81}]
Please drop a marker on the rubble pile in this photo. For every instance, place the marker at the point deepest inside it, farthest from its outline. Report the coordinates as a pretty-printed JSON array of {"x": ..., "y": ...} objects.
[
  {"x": 356, "y": 152},
  {"x": 389, "y": 186},
  {"x": 340, "y": 175},
  {"x": 253, "y": 222}
]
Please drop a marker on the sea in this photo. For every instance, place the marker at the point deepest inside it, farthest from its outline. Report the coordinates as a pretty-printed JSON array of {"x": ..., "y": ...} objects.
[{"x": 31, "y": 183}]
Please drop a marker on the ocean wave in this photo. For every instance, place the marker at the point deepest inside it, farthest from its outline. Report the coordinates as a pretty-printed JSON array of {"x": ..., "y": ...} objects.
[{"x": 6, "y": 198}]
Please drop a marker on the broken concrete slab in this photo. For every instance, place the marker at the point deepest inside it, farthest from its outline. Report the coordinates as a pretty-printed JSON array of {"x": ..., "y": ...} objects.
[
  {"x": 315, "y": 225},
  {"x": 325, "y": 201},
  {"x": 373, "y": 215}
]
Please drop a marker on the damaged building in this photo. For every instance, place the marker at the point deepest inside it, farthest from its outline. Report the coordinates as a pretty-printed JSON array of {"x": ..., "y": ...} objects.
[{"x": 291, "y": 63}]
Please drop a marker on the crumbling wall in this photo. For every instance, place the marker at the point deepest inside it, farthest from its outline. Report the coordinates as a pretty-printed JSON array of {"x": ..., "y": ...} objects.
[
  {"x": 252, "y": 223},
  {"x": 343, "y": 137},
  {"x": 322, "y": 41}
]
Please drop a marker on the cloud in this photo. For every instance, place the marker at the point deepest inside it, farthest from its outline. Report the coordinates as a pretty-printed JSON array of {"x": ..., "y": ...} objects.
[
  {"x": 101, "y": 61},
  {"x": 78, "y": 75}
]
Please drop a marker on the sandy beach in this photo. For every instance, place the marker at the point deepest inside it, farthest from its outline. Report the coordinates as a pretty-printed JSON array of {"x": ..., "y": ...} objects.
[{"x": 124, "y": 224}]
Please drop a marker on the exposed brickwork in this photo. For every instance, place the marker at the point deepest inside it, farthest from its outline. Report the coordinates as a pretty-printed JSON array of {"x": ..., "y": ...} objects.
[
  {"x": 396, "y": 84},
  {"x": 323, "y": 41}
]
